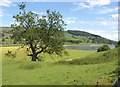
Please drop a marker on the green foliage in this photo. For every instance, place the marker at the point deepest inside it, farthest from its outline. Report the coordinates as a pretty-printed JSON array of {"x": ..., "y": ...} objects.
[
  {"x": 41, "y": 34},
  {"x": 118, "y": 44},
  {"x": 10, "y": 54},
  {"x": 103, "y": 48},
  {"x": 3, "y": 39},
  {"x": 3, "y": 34}
]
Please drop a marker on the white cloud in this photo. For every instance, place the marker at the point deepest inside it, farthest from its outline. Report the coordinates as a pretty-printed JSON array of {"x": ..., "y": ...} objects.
[
  {"x": 93, "y": 3},
  {"x": 1, "y": 12},
  {"x": 1, "y": 15},
  {"x": 70, "y": 20},
  {"x": 35, "y": 12},
  {"x": 40, "y": 13},
  {"x": 113, "y": 36},
  {"x": 104, "y": 23},
  {"x": 115, "y": 16},
  {"x": 112, "y": 24},
  {"x": 6, "y": 3},
  {"x": 107, "y": 10},
  {"x": 80, "y": 6}
]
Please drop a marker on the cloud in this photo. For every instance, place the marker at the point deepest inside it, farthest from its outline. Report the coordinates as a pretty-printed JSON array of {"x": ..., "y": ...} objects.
[
  {"x": 1, "y": 15},
  {"x": 70, "y": 20},
  {"x": 80, "y": 6},
  {"x": 91, "y": 4},
  {"x": 1, "y": 12},
  {"x": 112, "y": 24},
  {"x": 35, "y": 12},
  {"x": 6, "y": 3},
  {"x": 115, "y": 16},
  {"x": 40, "y": 13},
  {"x": 107, "y": 10}
]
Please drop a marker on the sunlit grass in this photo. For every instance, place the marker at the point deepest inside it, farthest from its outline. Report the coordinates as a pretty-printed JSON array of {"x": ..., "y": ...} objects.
[{"x": 21, "y": 71}]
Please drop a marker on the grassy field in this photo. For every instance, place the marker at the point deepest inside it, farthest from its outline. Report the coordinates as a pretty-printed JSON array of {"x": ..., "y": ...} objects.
[{"x": 94, "y": 68}]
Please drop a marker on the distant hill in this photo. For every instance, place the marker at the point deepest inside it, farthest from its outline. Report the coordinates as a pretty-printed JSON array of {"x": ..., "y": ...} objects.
[
  {"x": 75, "y": 36},
  {"x": 72, "y": 36}
]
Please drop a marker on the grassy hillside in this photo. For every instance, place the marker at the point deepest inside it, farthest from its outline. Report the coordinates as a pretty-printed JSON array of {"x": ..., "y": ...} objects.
[
  {"x": 5, "y": 35},
  {"x": 21, "y": 71},
  {"x": 100, "y": 57},
  {"x": 72, "y": 36}
]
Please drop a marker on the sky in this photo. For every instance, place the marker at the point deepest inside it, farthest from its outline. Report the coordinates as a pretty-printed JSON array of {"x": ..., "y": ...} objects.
[{"x": 95, "y": 16}]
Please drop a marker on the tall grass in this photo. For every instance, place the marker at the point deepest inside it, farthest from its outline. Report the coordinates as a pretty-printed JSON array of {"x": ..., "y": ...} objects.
[{"x": 101, "y": 57}]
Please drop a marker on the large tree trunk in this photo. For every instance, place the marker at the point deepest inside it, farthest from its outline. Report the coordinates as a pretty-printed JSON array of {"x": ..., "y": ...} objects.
[
  {"x": 34, "y": 57},
  {"x": 34, "y": 53}
]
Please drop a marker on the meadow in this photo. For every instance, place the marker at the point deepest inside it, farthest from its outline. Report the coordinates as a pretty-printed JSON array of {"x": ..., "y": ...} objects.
[{"x": 79, "y": 67}]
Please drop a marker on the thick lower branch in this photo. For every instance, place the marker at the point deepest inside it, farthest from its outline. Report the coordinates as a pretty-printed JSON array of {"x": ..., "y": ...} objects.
[
  {"x": 42, "y": 49},
  {"x": 29, "y": 54}
]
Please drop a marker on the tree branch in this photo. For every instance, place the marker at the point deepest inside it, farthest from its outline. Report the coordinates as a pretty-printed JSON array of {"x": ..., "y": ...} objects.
[
  {"x": 40, "y": 51},
  {"x": 29, "y": 54},
  {"x": 43, "y": 48}
]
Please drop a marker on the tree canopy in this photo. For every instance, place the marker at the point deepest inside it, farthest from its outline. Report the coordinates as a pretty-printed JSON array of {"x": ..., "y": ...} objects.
[{"x": 39, "y": 33}]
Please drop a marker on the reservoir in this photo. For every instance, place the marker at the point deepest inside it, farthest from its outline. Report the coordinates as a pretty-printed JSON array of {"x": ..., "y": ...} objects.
[{"x": 86, "y": 47}]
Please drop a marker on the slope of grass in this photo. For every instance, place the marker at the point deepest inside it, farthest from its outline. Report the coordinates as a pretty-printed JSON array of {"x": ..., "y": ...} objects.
[
  {"x": 43, "y": 73},
  {"x": 21, "y": 71},
  {"x": 101, "y": 57}
]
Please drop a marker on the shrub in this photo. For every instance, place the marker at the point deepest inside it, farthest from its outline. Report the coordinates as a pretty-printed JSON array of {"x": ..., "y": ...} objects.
[
  {"x": 103, "y": 48},
  {"x": 118, "y": 44},
  {"x": 3, "y": 39},
  {"x": 10, "y": 54}
]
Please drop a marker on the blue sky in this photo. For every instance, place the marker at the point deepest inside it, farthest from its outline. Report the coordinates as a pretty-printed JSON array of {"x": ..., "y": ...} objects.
[{"x": 95, "y": 16}]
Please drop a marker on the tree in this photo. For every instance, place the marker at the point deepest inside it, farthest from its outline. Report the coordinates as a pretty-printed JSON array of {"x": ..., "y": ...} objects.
[
  {"x": 41, "y": 34},
  {"x": 3, "y": 34},
  {"x": 3, "y": 39},
  {"x": 118, "y": 44},
  {"x": 103, "y": 48}
]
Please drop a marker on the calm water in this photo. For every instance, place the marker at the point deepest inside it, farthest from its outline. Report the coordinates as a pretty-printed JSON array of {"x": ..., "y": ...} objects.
[{"x": 86, "y": 47}]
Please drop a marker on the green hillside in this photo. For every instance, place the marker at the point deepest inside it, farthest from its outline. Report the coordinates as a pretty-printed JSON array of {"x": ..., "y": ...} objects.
[
  {"x": 96, "y": 58},
  {"x": 72, "y": 36}
]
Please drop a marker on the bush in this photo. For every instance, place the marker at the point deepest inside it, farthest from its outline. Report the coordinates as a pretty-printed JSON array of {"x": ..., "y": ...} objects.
[
  {"x": 103, "y": 48},
  {"x": 3, "y": 39},
  {"x": 118, "y": 44},
  {"x": 10, "y": 54}
]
